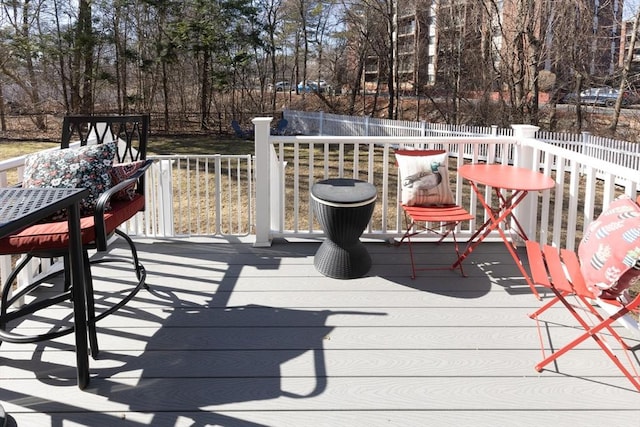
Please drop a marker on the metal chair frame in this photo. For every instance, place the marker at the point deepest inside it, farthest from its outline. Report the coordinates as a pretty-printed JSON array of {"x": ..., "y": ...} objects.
[
  {"x": 131, "y": 132},
  {"x": 419, "y": 218},
  {"x": 559, "y": 271}
]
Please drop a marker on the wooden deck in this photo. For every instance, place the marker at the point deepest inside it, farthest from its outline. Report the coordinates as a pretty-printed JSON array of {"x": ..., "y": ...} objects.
[{"x": 232, "y": 335}]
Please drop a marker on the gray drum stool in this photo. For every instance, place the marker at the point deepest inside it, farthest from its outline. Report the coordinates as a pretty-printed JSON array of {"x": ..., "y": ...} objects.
[{"x": 343, "y": 208}]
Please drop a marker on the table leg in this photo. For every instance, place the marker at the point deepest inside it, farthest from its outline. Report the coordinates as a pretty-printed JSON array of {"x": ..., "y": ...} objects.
[
  {"x": 78, "y": 295},
  {"x": 496, "y": 217},
  {"x": 507, "y": 206},
  {"x": 482, "y": 231},
  {"x": 518, "y": 262}
]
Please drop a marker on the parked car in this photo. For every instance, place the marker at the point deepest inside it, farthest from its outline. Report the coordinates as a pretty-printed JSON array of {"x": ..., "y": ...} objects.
[
  {"x": 313, "y": 86},
  {"x": 605, "y": 96},
  {"x": 282, "y": 86}
]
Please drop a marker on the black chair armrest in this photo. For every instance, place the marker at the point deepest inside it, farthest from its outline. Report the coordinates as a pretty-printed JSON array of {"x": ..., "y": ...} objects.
[{"x": 102, "y": 203}]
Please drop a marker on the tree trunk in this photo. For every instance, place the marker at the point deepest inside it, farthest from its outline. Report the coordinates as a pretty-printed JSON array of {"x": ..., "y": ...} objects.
[
  {"x": 3, "y": 119},
  {"x": 204, "y": 84},
  {"x": 358, "y": 78},
  {"x": 392, "y": 58},
  {"x": 86, "y": 40},
  {"x": 165, "y": 93},
  {"x": 625, "y": 72}
]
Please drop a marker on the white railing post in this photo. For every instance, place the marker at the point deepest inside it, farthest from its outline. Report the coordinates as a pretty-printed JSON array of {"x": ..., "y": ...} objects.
[
  {"x": 263, "y": 185},
  {"x": 524, "y": 157},
  {"x": 277, "y": 179},
  {"x": 165, "y": 198}
]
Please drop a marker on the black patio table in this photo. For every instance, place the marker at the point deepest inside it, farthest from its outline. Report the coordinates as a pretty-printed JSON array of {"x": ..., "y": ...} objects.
[{"x": 21, "y": 207}]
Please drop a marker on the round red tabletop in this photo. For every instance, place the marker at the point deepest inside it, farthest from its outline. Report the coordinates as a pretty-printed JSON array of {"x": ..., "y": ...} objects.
[{"x": 506, "y": 177}]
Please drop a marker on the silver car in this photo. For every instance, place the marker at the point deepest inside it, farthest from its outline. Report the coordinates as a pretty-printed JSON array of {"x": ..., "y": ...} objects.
[
  {"x": 283, "y": 86},
  {"x": 605, "y": 96}
]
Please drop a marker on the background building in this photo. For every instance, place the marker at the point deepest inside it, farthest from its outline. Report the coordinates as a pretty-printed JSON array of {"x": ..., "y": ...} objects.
[{"x": 440, "y": 41}]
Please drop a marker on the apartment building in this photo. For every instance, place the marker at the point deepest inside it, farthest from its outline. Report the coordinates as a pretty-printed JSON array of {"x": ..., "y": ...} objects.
[
  {"x": 626, "y": 47},
  {"x": 414, "y": 48},
  {"x": 437, "y": 40}
]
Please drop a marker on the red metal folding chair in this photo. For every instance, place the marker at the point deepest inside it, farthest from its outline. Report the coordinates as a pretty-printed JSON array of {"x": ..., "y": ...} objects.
[
  {"x": 441, "y": 219},
  {"x": 559, "y": 271}
]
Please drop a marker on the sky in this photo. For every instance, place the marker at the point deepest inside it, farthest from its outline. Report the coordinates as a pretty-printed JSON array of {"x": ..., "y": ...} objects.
[{"x": 629, "y": 9}]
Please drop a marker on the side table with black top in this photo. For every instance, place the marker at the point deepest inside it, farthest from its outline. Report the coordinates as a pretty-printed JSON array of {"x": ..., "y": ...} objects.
[
  {"x": 21, "y": 207},
  {"x": 343, "y": 208}
]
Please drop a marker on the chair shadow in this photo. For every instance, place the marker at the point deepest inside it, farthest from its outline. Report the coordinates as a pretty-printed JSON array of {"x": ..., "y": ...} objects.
[
  {"x": 438, "y": 278},
  {"x": 187, "y": 376},
  {"x": 488, "y": 265},
  {"x": 204, "y": 355},
  {"x": 232, "y": 354}
]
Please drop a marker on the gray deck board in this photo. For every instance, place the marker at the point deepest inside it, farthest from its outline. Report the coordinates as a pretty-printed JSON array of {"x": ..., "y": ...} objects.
[{"x": 234, "y": 335}]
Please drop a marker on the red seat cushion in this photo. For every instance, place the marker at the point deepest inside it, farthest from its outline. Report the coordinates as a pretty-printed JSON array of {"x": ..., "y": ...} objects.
[{"x": 52, "y": 236}]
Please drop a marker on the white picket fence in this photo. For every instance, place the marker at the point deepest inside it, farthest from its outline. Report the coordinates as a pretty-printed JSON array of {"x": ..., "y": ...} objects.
[{"x": 623, "y": 153}]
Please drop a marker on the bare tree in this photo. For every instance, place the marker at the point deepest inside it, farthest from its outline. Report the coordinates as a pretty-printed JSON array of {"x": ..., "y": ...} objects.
[
  {"x": 19, "y": 47},
  {"x": 271, "y": 16},
  {"x": 571, "y": 58},
  {"x": 358, "y": 29},
  {"x": 625, "y": 72}
]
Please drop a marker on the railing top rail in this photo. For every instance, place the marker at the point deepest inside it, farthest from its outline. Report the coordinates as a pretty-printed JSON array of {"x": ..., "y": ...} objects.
[
  {"x": 196, "y": 156},
  {"x": 390, "y": 140},
  {"x": 621, "y": 171}
]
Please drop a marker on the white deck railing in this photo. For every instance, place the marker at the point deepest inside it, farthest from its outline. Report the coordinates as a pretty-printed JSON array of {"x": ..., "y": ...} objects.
[
  {"x": 268, "y": 196},
  {"x": 585, "y": 184}
]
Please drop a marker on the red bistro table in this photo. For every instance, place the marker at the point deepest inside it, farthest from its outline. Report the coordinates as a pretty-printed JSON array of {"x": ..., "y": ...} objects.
[{"x": 517, "y": 182}]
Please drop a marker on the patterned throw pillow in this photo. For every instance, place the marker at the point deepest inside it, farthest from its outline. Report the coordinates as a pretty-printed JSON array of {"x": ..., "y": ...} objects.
[
  {"x": 610, "y": 249},
  {"x": 83, "y": 167},
  {"x": 121, "y": 172},
  {"x": 425, "y": 178}
]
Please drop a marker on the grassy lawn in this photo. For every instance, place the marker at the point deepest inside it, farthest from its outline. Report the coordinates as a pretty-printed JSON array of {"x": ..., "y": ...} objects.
[
  {"x": 9, "y": 149},
  {"x": 187, "y": 144},
  {"x": 158, "y": 145}
]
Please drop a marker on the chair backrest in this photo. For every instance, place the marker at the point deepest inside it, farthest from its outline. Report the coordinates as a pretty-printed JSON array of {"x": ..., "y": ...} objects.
[
  {"x": 237, "y": 129},
  {"x": 282, "y": 125},
  {"x": 131, "y": 132},
  {"x": 419, "y": 152}
]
